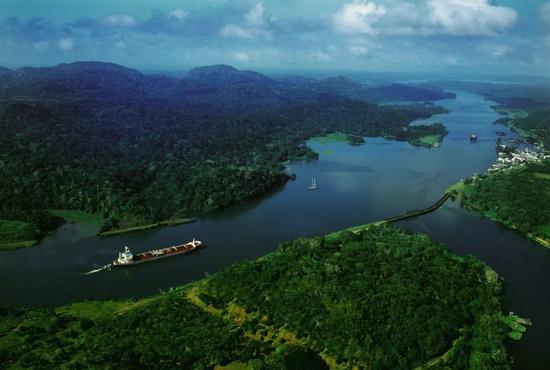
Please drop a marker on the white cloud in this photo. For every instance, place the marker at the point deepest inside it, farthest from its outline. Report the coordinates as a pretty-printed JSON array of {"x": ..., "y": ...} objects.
[
  {"x": 358, "y": 50},
  {"x": 240, "y": 56},
  {"x": 454, "y": 17},
  {"x": 121, "y": 44},
  {"x": 119, "y": 20},
  {"x": 254, "y": 25},
  {"x": 232, "y": 30},
  {"x": 496, "y": 51},
  {"x": 41, "y": 45},
  {"x": 451, "y": 61},
  {"x": 320, "y": 56},
  {"x": 471, "y": 17},
  {"x": 358, "y": 17},
  {"x": 255, "y": 17},
  {"x": 179, "y": 14},
  {"x": 65, "y": 44}
]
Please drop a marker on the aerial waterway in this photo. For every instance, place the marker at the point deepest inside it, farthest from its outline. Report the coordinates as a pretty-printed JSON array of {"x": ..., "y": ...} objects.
[{"x": 357, "y": 185}]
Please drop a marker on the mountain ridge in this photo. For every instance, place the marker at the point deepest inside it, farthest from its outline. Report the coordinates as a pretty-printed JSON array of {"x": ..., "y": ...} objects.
[{"x": 218, "y": 84}]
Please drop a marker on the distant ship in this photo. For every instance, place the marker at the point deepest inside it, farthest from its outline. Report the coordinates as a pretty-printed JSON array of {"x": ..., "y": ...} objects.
[
  {"x": 126, "y": 258},
  {"x": 313, "y": 185},
  {"x": 473, "y": 137}
]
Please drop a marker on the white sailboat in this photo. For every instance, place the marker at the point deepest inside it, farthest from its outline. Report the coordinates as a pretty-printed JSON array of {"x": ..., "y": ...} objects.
[{"x": 313, "y": 185}]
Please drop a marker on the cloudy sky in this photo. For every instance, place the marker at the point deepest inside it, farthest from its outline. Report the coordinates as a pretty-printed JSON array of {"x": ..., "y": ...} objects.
[{"x": 485, "y": 36}]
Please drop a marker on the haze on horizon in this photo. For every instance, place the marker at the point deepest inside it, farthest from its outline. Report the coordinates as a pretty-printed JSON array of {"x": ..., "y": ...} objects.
[{"x": 510, "y": 37}]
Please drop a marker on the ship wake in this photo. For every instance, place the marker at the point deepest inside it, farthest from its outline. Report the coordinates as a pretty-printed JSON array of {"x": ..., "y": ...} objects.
[{"x": 103, "y": 268}]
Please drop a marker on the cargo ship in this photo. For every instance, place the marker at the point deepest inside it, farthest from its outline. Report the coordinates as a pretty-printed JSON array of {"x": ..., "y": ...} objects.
[{"x": 126, "y": 258}]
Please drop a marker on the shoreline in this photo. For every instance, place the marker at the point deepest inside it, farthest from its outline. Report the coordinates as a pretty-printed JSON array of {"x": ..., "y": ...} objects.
[
  {"x": 127, "y": 230},
  {"x": 459, "y": 189},
  {"x": 12, "y": 246},
  {"x": 428, "y": 141},
  {"x": 84, "y": 218},
  {"x": 201, "y": 297}
]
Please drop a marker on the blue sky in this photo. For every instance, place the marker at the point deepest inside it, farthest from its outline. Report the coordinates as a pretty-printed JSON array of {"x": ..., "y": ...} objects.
[{"x": 481, "y": 36}]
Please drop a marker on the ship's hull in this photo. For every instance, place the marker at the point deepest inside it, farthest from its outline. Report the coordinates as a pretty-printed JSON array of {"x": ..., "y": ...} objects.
[{"x": 150, "y": 256}]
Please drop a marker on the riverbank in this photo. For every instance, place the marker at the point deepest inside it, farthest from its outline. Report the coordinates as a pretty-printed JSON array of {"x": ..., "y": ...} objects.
[
  {"x": 533, "y": 125},
  {"x": 14, "y": 232},
  {"x": 10, "y": 246},
  {"x": 26, "y": 229},
  {"x": 173, "y": 222},
  {"x": 339, "y": 137},
  {"x": 267, "y": 312},
  {"x": 516, "y": 191},
  {"x": 427, "y": 136},
  {"x": 80, "y": 217},
  {"x": 517, "y": 198}
]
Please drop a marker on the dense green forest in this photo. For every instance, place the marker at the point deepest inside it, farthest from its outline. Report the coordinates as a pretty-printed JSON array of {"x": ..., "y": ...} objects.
[
  {"x": 376, "y": 298},
  {"x": 536, "y": 125},
  {"x": 136, "y": 149},
  {"x": 518, "y": 198}
]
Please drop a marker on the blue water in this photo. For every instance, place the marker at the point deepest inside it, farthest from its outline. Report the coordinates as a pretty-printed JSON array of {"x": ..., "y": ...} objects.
[{"x": 357, "y": 184}]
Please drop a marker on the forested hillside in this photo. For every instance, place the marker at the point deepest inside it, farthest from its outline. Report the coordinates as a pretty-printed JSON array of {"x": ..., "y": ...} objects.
[
  {"x": 518, "y": 198},
  {"x": 535, "y": 125},
  {"x": 381, "y": 298},
  {"x": 136, "y": 149}
]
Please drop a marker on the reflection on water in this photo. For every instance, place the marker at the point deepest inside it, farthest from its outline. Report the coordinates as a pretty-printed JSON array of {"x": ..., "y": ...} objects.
[{"x": 357, "y": 184}]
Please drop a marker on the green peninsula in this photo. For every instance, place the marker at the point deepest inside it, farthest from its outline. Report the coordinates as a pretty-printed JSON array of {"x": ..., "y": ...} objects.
[
  {"x": 518, "y": 198},
  {"x": 374, "y": 297}
]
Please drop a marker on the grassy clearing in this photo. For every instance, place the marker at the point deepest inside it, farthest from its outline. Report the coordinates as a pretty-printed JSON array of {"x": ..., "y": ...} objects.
[
  {"x": 95, "y": 310},
  {"x": 460, "y": 189},
  {"x": 444, "y": 358},
  {"x": 179, "y": 221},
  {"x": 77, "y": 216},
  {"x": 540, "y": 175},
  {"x": 16, "y": 245},
  {"x": 339, "y": 137},
  {"x": 261, "y": 332},
  {"x": 428, "y": 141},
  {"x": 512, "y": 113},
  {"x": 355, "y": 229},
  {"x": 334, "y": 137},
  {"x": 542, "y": 236},
  {"x": 16, "y": 234},
  {"x": 545, "y": 230},
  {"x": 234, "y": 366}
]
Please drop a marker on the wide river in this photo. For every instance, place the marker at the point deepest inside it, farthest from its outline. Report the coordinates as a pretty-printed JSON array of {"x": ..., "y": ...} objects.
[{"x": 357, "y": 184}]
